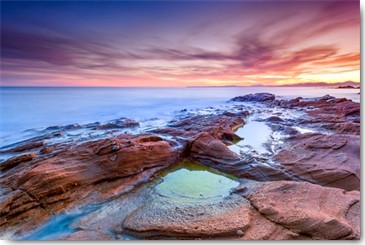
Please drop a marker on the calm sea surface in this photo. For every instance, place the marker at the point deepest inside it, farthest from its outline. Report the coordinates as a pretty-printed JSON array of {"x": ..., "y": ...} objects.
[{"x": 36, "y": 108}]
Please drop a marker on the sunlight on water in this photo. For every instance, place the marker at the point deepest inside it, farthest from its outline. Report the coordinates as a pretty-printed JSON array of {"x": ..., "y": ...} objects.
[
  {"x": 37, "y": 108},
  {"x": 254, "y": 134}
]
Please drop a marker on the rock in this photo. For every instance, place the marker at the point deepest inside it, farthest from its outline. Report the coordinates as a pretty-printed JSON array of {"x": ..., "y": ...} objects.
[
  {"x": 85, "y": 235},
  {"x": 328, "y": 160},
  {"x": 54, "y": 182},
  {"x": 107, "y": 171},
  {"x": 15, "y": 161},
  {"x": 121, "y": 123},
  {"x": 163, "y": 217},
  {"x": 344, "y": 127},
  {"x": 206, "y": 147},
  {"x": 319, "y": 212},
  {"x": 52, "y": 148},
  {"x": 274, "y": 119},
  {"x": 220, "y": 127},
  {"x": 243, "y": 114},
  {"x": 262, "y": 228},
  {"x": 258, "y": 97},
  {"x": 66, "y": 127},
  {"x": 24, "y": 147},
  {"x": 346, "y": 87},
  {"x": 230, "y": 137},
  {"x": 338, "y": 114}
]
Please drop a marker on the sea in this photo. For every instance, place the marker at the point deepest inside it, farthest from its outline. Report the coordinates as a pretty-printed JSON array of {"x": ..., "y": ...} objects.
[{"x": 24, "y": 109}]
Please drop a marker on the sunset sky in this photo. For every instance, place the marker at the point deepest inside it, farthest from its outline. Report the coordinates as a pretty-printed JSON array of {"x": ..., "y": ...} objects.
[{"x": 179, "y": 43}]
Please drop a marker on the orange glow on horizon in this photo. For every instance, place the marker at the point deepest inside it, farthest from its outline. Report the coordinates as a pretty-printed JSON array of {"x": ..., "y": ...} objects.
[{"x": 241, "y": 43}]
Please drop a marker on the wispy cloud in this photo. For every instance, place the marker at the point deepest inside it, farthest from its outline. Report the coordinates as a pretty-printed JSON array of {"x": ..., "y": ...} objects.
[{"x": 285, "y": 43}]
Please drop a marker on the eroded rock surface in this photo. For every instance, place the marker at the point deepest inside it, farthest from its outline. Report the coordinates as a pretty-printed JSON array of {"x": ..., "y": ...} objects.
[
  {"x": 306, "y": 190},
  {"x": 52, "y": 184},
  {"x": 258, "y": 97},
  {"x": 338, "y": 114},
  {"x": 308, "y": 209},
  {"x": 329, "y": 160},
  {"x": 166, "y": 217}
]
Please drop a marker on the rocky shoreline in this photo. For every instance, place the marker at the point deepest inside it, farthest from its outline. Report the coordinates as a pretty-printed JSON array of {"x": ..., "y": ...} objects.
[{"x": 304, "y": 184}]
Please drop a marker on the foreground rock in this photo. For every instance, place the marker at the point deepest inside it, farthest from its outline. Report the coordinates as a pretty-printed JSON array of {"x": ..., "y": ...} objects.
[
  {"x": 270, "y": 210},
  {"x": 45, "y": 179},
  {"x": 14, "y": 161},
  {"x": 315, "y": 211},
  {"x": 207, "y": 148},
  {"x": 53, "y": 184},
  {"x": 328, "y": 160},
  {"x": 165, "y": 217}
]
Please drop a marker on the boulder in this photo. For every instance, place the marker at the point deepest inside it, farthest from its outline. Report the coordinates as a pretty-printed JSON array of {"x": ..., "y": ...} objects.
[
  {"x": 207, "y": 148},
  {"x": 257, "y": 97}
]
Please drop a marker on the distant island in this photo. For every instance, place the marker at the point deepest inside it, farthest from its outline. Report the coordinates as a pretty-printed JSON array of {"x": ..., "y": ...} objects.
[
  {"x": 347, "y": 84},
  {"x": 349, "y": 87},
  {"x": 340, "y": 85}
]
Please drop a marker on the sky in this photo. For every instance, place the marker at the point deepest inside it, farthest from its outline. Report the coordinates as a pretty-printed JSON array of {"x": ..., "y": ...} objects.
[{"x": 179, "y": 43}]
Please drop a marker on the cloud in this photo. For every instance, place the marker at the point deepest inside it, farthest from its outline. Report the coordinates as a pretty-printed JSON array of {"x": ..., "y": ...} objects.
[{"x": 283, "y": 43}]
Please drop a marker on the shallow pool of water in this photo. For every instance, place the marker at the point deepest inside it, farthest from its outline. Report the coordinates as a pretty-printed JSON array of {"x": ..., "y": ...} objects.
[
  {"x": 192, "y": 180},
  {"x": 60, "y": 226},
  {"x": 254, "y": 134}
]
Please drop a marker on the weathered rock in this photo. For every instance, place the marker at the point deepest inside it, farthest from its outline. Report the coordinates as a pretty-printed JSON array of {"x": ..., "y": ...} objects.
[
  {"x": 262, "y": 228},
  {"x": 274, "y": 119},
  {"x": 304, "y": 208},
  {"x": 66, "y": 127},
  {"x": 338, "y": 114},
  {"x": 216, "y": 125},
  {"x": 24, "y": 147},
  {"x": 14, "y": 161},
  {"x": 206, "y": 137},
  {"x": 258, "y": 97},
  {"x": 344, "y": 127},
  {"x": 328, "y": 160},
  {"x": 163, "y": 217},
  {"x": 86, "y": 235},
  {"x": 54, "y": 183},
  {"x": 121, "y": 123},
  {"x": 106, "y": 171},
  {"x": 243, "y": 114},
  {"x": 206, "y": 147}
]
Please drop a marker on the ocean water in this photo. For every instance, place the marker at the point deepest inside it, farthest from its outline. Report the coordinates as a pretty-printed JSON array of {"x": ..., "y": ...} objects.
[{"x": 24, "y": 109}]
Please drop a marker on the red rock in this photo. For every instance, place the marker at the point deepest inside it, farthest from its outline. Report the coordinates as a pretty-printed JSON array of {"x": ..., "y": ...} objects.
[
  {"x": 206, "y": 147},
  {"x": 258, "y": 97},
  {"x": 121, "y": 123},
  {"x": 14, "y": 161},
  {"x": 329, "y": 160},
  {"x": 339, "y": 114},
  {"x": 56, "y": 182},
  {"x": 344, "y": 127},
  {"x": 24, "y": 147},
  {"x": 218, "y": 126},
  {"x": 304, "y": 208},
  {"x": 163, "y": 218}
]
